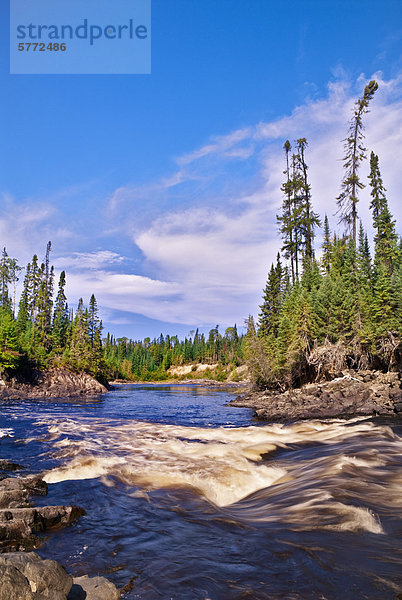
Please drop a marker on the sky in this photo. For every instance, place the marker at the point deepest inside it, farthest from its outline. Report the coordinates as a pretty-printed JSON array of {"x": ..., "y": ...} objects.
[{"x": 160, "y": 192}]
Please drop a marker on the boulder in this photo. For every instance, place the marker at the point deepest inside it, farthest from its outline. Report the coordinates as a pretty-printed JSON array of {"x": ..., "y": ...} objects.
[
  {"x": 28, "y": 577},
  {"x": 93, "y": 588}
]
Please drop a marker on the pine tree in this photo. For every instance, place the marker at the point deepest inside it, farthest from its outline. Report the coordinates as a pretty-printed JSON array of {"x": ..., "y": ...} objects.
[
  {"x": 326, "y": 247},
  {"x": 378, "y": 190},
  {"x": 309, "y": 219},
  {"x": 93, "y": 320},
  {"x": 272, "y": 299},
  {"x": 60, "y": 316},
  {"x": 80, "y": 345},
  {"x": 286, "y": 219},
  {"x": 355, "y": 154},
  {"x": 5, "y": 279},
  {"x": 365, "y": 285}
]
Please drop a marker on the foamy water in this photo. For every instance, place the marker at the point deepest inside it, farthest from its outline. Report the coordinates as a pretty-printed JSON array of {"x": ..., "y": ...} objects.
[
  {"x": 191, "y": 511},
  {"x": 226, "y": 466}
]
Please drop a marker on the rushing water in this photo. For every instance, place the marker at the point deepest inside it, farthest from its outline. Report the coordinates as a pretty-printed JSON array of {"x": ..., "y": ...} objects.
[{"x": 188, "y": 499}]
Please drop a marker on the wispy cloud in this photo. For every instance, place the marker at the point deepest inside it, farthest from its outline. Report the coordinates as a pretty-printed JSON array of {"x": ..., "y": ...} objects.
[{"x": 205, "y": 234}]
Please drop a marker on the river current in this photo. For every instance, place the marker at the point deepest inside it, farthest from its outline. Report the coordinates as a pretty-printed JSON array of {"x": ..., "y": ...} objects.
[{"x": 189, "y": 499}]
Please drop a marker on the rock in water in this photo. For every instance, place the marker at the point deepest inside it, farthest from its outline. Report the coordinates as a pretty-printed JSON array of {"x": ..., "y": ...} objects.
[
  {"x": 93, "y": 588},
  {"x": 27, "y": 577},
  {"x": 19, "y": 521}
]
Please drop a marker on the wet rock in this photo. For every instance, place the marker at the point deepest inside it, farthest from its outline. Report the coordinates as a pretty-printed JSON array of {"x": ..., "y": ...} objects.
[
  {"x": 15, "y": 491},
  {"x": 7, "y": 465},
  {"x": 19, "y": 521},
  {"x": 54, "y": 383},
  {"x": 371, "y": 393},
  {"x": 93, "y": 588},
  {"x": 33, "y": 578},
  {"x": 17, "y": 525}
]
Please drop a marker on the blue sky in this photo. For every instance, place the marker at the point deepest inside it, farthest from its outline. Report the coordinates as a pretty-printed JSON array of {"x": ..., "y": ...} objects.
[{"x": 159, "y": 192}]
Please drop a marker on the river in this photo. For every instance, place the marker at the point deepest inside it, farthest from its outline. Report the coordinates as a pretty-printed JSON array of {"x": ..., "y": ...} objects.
[{"x": 189, "y": 499}]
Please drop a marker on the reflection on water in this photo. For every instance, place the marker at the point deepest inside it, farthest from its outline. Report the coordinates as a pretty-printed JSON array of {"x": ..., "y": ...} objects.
[{"x": 189, "y": 510}]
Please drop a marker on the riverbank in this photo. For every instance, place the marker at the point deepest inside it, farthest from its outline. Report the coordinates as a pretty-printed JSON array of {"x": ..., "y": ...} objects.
[
  {"x": 24, "y": 575},
  {"x": 361, "y": 393},
  {"x": 52, "y": 383}
]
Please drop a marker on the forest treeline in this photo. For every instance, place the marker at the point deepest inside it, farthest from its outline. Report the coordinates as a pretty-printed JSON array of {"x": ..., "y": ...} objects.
[
  {"x": 317, "y": 315},
  {"x": 345, "y": 309},
  {"x": 45, "y": 333},
  {"x": 150, "y": 359}
]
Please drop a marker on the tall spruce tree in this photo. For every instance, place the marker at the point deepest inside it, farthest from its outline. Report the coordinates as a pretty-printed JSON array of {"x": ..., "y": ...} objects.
[
  {"x": 309, "y": 219},
  {"x": 268, "y": 320},
  {"x": 287, "y": 217},
  {"x": 326, "y": 247},
  {"x": 355, "y": 153},
  {"x": 60, "y": 316}
]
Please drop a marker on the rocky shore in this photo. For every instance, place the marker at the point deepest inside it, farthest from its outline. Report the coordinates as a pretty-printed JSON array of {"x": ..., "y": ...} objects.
[
  {"x": 24, "y": 575},
  {"x": 361, "y": 393},
  {"x": 53, "y": 383}
]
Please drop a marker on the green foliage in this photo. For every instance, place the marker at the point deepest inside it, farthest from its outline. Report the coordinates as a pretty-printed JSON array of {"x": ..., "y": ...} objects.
[
  {"x": 149, "y": 360},
  {"x": 9, "y": 355},
  {"x": 350, "y": 300}
]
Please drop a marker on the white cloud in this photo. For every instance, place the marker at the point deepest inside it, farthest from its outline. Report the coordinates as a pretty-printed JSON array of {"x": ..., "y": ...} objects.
[
  {"x": 89, "y": 260},
  {"x": 207, "y": 231},
  {"x": 219, "y": 251}
]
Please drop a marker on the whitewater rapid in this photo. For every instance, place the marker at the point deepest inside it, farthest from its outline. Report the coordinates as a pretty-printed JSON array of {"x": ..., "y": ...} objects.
[{"x": 242, "y": 470}]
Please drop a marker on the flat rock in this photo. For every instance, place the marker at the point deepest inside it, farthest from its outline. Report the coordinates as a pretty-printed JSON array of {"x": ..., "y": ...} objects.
[
  {"x": 19, "y": 520},
  {"x": 351, "y": 394},
  {"x": 93, "y": 588}
]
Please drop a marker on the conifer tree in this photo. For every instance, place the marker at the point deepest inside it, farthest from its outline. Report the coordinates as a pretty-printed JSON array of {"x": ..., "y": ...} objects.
[
  {"x": 355, "y": 153},
  {"x": 60, "y": 316},
  {"x": 326, "y": 246},
  {"x": 309, "y": 219},
  {"x": 378, "y": 202},
  {"x": 5, "y": 279},
  {"x": 272, "y": 299},
  {"x": 287, "y": 217}
]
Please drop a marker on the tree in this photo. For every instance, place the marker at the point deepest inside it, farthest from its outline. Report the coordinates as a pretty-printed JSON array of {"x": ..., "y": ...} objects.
[
  {"x": 60, "y": 316},
  {"x": 286, "y": 218},
  {"x": 93, "y": 319},
  {"x": 326, "y": 246},
  {"x": 355, "y": 153},
  {"x": 268, "y": 319},
  {"x": 5, "y": 279},
  {"x": 378, "y": 202},
  {"x": 309, "y": 219}
]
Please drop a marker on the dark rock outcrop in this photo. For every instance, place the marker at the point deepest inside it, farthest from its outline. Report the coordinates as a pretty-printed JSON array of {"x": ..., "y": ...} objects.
[
  {"x": 352, "y": 394},
  {"x": 54, "y": 383},
  {"x": 19, "y": 520},
  {"x": 28, "y": 577}
]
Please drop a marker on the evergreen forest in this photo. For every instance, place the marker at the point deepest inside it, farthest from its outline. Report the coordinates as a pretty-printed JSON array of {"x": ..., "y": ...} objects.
[{"x": 322, "y": 310}]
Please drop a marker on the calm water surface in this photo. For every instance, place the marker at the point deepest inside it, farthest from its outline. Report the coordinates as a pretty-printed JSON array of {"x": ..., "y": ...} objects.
[{"x": 189, "y": 499}]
